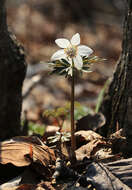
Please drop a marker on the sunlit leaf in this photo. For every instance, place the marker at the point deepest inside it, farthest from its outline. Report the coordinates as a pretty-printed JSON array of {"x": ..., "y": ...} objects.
[{"x": 34, "y": 128}]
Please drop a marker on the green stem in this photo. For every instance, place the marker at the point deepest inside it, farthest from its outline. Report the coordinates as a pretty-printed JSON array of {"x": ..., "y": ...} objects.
[{"x": 73, "y": 144}]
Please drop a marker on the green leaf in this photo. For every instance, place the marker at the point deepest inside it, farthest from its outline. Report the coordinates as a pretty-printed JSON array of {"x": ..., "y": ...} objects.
[
  {"x": 60, "y": 66},
  {"x": 81, "y": 112},
  {"x": 92, "y": 59},
  {"x": 36, "y": 128},
  {"x": 65, "y": 62}
]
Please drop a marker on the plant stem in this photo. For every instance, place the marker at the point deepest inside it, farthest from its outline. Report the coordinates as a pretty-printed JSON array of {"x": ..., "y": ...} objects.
[{"x": 73, "y": 144}]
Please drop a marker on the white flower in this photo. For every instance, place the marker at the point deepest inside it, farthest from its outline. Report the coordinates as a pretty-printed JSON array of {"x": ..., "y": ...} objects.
[
  {"x": 69, "y": 70},
  {"x": 71, "y": 50}
]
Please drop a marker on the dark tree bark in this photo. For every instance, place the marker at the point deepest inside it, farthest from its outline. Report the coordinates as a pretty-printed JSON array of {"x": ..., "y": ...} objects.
[
  {"x": 12, "y": 73},
  {"x": 118, "y": 102}
]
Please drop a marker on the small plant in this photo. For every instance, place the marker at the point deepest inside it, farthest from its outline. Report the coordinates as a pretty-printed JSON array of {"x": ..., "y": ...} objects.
[
  {"x": 34, "y": 128},
  {"x": 60, "y": 137},
  {"x": 71, "y": 59},
  {"x": 59, "y": 114}
]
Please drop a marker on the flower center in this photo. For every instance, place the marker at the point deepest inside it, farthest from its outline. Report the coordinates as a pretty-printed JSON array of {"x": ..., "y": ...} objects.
[{"x": 71, "y": 51}]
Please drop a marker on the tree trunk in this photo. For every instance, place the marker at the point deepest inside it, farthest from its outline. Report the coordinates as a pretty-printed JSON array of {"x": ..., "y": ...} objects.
[
  {"x": 118, "y": 103},
  {"x": 12, "y": 73}
]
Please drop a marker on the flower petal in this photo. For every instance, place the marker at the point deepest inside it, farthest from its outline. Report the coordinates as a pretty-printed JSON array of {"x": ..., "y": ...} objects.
[
  {"x": 62, "y": 42},
  {"x": 58, "y": 55},
  {"x": 69, "y": 70},
  {"x": 78, "y": 62},
  {"x": 70, "y": 61},
  {"x": 84, "y": 50},
  {"x": 75, "y": 39}
]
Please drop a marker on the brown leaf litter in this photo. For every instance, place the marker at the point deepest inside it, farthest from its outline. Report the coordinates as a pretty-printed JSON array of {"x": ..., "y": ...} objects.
[{"x": 22, "y": 151}]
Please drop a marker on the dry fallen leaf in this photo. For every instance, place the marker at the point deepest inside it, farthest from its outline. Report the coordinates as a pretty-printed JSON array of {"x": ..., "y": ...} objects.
[
  {"x": 22, "y": 151},
  {"x": 86, "y": 136},
  {"x": 90, "y": 149},
  {"x": 51, "y": 130},
  {"x": 12, "y": 184},
  {"x": 42, "y": 186},
  {"x": 26, "y": 187}
]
